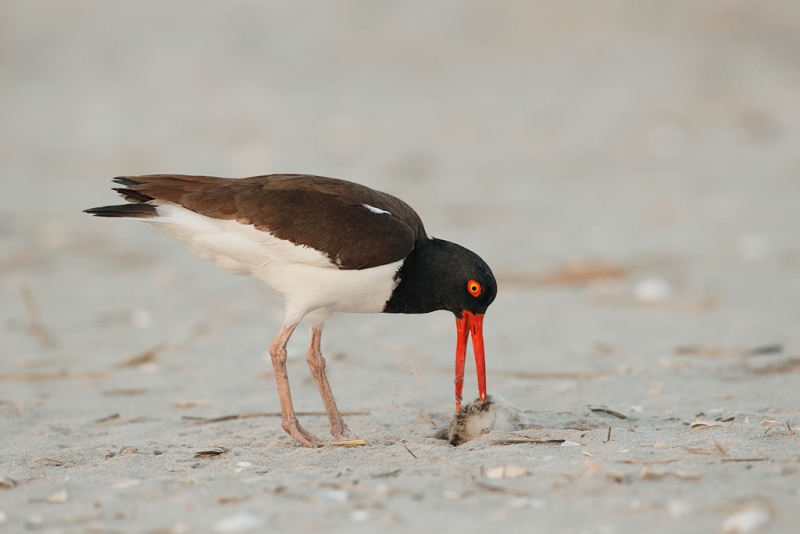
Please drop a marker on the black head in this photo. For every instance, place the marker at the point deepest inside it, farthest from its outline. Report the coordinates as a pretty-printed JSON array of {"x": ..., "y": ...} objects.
[
  {"x": 441, "y": 275},
  {"x": 471, "y": 285}
]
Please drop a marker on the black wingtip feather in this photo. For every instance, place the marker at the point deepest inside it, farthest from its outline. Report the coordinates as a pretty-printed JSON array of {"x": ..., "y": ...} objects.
[
  {"x": 140, "y": 211},
  {"x": 124, "y": 180},
  {"x": 132, "y": 196}
]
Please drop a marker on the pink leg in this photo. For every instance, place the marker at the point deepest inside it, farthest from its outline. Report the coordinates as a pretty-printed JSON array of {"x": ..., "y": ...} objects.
[
  {"x": 317, "y": 365},
  {"x": 277, "y": 350}
]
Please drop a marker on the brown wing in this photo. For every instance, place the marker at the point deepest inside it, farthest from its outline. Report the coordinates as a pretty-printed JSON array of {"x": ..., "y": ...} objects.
[{"x": 325, "y": 214}]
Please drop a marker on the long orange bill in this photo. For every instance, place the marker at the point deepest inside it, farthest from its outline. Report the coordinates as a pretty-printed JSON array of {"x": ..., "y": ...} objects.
[{"x": 469, "y": 322}]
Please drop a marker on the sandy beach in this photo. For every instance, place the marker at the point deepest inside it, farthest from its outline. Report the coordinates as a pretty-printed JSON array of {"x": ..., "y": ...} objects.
[{"x": 630, "y": 171}]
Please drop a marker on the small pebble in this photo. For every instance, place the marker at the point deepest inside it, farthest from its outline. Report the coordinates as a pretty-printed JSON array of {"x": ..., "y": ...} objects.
[
  {"x": 506, "y": 471},
  {"x": 239, "y": 522},
  {"x": 652, "y": 290},
  {"x": 359, "y": 516},
  {"x": 746, "y": 520}
]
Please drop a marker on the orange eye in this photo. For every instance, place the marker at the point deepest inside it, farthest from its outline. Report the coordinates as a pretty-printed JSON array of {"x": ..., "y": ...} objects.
[{"x": 474, "y": 288}]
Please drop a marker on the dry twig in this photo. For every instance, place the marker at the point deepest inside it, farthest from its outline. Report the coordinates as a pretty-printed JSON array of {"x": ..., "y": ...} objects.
[
  {"x": 147, "y": 356},
  {"x": 606, "y": 409},
  {"x": 205, "y": 420},
  {"x": 348, "y": 443},
  {"x": 216, "y": 451},
  {"x": 37, "y": 326},
  {"x": 518, "y": 441}
]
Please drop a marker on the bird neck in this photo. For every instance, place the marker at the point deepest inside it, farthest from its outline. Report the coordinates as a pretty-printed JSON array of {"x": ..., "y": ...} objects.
[{"x": 422, "y": 279}]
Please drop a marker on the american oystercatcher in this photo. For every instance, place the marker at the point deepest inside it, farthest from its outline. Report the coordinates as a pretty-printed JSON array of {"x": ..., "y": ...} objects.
[{"x": 326, "y": 245}]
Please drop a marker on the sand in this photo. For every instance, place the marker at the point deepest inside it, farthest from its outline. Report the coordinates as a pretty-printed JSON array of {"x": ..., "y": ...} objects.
[{"x": 629, "y": 171}]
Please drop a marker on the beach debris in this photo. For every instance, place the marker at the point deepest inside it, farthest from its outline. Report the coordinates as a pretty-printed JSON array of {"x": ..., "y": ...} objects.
[
  {"x": 37, "y": 325},
  {"x": 148, "y": 356},
  {"x": 719, "y": 351},
  {"x": 388, "y": 474},
  {"x": 239, "y": 522},
  {"x": 107, "y": 418},
  {"x": 348, "y": 443},
  {"x": 784, "y": 366},
  {"x": 568, "y": 443},
  {"x": 498, "y": 489},
  {"x": 359, "y": 516},
  {"x": 775, "y": 348},
  {"x": 478, "y": 418},
  {"x": 705, "y": 424},
  {"x": 517, "y": 441},
  {"x": 177, "y": 528},
  {"x": 652, "y": 474},
  {"x": 191, "y": 403},
  {"x": 595, "y": 468},
  {"x": 7, "y": 483},
  {"x": 674, "y": 364},
  {"x": 693, "y": 450},
  {"x": 678, "y": 509},
  {"x": 506, "y": 471},
  {"x": 59, "y": 497},
  {"x": 129, "y": 483},
  {"x": 241, "y": 466},
  {"x": 651, "y": 290},
  {"x": 607, "y": 410},
  {"x": 44, "y": 377},
  {"x": 686, "y": 475},
  {"x": 206, "y": 420},
  {"x": 721, "y": 449},
  {"x": 609, "y": 436},
  {"x": 336, "y": 495},
  {"x": 648, "y": 462},
  {"x": 410, "y": 451},
  {"x": 124, "y": 392},
  {"x": 746, "y": 520},
  {"x": 216, "y": 451}
]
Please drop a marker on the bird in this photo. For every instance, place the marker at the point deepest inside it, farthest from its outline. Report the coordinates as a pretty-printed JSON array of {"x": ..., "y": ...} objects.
[{"x": 326, "y": 245}]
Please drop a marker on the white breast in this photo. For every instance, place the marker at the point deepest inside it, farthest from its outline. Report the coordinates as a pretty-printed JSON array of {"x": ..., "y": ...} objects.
[{"x": 305, "y": 276}]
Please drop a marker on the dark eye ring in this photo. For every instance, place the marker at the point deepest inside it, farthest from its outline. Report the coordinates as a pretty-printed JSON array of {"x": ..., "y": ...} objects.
[{"x": 474, "y": 288}]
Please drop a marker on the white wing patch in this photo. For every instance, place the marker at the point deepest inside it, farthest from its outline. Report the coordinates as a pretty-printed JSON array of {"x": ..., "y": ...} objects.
[{"x": 373, "y": 209}]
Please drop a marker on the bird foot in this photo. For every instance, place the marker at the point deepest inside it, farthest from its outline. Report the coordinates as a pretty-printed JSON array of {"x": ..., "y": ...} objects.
[
  {"x": 341, "y": 431},
  {"x": 306, "y": 439}
]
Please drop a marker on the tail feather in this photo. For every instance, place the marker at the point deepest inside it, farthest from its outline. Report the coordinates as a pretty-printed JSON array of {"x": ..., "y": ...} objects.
[
  {"x": 136, "y": 211},
  {"x": 132, "y": 196}
]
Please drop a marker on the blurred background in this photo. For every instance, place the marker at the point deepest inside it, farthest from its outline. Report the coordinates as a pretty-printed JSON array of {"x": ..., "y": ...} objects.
[
  {"x": 629, "y": 169},
  {"x": 643, "y": 158}
]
